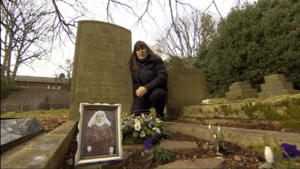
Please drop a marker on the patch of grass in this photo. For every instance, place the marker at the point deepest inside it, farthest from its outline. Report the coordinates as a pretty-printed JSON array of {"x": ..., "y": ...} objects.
[{"x": 39, "y": 115}]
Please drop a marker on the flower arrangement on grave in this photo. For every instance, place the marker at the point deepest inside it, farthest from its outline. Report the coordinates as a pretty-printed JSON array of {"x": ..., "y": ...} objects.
[{"x": 145, "y": 129}]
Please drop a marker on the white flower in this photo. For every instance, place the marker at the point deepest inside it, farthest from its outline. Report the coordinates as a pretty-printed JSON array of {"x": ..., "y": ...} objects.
[
  {"x": 209, "y": 127},
  {"x": 219, "y": 128},
  {"x": 147, "y": 119},
  {"x": 269, "y": 155},
  {"x": 123, "y": 126},
  {"x": 137, "y": 126},
  {"x": 142, "y": 134},
  {"x": 215, "y": 136},
  {"x": 157, "y": 130},
  {"x": 143, "y": 115}
]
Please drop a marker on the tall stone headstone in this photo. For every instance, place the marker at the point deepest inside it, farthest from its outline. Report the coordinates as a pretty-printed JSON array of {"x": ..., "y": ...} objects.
[
  {"x": 276, "y": 85},
  {"x": 242, "y": 89},
  {"x": 101, "y": 71},
  {"x": 185, "y": 87}
]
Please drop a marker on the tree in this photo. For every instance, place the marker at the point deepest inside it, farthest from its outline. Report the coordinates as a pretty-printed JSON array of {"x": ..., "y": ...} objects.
[
  {"x": 68, "y": 68},
  {"x": 26, "y": 28},
  {"x": 256, "y": 41},
  {"x": 184, "y": 39},
  {"x": 28, "y": 24}
]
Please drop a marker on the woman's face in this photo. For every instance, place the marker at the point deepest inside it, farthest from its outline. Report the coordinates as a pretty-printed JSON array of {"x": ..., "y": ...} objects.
[
  {"x": 142, "y": 54},
  {"x": 98, "y": 118}
]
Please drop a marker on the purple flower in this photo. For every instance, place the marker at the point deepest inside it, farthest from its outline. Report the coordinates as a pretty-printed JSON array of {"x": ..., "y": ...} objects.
[
  {"x": 291, "y": 150},
  {"x": 148, "y": 143}
]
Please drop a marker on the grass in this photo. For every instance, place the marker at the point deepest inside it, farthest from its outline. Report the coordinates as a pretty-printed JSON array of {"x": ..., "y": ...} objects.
[{"x": 39, "y": 115}]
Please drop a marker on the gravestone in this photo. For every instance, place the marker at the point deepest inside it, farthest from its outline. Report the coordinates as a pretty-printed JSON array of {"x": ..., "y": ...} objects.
[
  {"x": 276, "y": 85},
  {"x": 17, "y": 131},
  {"x": 242, "y": 89},
  {"x": 101, "y": 70},
  {"x": 185, "y": 87}
]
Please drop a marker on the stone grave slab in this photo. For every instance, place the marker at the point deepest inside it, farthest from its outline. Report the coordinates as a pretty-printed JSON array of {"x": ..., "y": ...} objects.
[
  {"x": 276, "y": 85},
  {"x": 173, "y": 145},
  {"x": 17, "y": 131},
  {"x": 242, "y": 89},
  {"x": 196, "y": 163},
  {"x": 101, "y": 71}
]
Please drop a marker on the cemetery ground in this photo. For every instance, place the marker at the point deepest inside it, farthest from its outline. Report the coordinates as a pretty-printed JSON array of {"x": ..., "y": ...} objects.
[{"x": 233, "y": 154}]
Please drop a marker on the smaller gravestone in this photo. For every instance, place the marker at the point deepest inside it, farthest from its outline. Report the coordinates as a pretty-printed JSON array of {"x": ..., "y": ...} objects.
[
  {"x": 185, "y": 87},
  {"x": 276, "y": 85},
  {"x": 242, "y": 89},
  {"x": 17, "y": 131}
]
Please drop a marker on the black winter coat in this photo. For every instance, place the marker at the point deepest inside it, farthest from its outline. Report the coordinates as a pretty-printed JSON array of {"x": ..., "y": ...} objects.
[{"x": 152, "y": 74}]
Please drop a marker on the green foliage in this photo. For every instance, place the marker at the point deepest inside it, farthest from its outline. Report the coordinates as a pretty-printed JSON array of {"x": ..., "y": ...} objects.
[
  {"x": 162, "y": 154},
  {"x": 258, "y": 40},
  {"x": 175, "y": 61},
  {"x": 7, "y": 87},
  {"x": 135, "y": 134},
  {"x": 166, "y": 135}
]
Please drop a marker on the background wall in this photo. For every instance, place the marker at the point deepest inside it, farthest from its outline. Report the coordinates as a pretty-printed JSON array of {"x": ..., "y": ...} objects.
[{"x": 36, "y": 99}]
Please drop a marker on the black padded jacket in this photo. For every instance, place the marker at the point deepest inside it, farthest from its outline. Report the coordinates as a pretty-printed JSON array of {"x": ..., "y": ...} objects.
[{"x": 152, "y": 74}]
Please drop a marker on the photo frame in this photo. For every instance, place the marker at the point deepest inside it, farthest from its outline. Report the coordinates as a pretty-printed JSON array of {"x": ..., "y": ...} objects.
[{"x": 100, "y": 136}]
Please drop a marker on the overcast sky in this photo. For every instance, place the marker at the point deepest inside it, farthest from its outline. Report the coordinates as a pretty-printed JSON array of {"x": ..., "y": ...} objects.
[{"x": 146, "y": 32}]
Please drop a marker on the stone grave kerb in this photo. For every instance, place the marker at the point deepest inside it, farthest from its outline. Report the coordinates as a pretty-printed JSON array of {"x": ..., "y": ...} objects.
[{"x": 101, "y": 71}]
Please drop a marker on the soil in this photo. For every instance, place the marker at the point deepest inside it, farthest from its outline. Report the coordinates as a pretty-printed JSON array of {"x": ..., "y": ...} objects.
[
  {"x": 253, "y": 124},
  {"x": 140, "y": 159}
]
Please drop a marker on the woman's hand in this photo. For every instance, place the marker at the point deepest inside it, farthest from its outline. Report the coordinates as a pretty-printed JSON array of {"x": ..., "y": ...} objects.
[{"x": 141, "y": 91}]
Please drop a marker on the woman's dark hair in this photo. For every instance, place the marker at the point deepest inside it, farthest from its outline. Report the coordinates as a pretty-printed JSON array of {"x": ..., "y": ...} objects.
[{"x": 134, "y": 63}]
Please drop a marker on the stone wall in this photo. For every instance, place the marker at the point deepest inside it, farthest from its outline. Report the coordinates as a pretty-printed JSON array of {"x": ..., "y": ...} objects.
[{"x": 36, "y": 99}]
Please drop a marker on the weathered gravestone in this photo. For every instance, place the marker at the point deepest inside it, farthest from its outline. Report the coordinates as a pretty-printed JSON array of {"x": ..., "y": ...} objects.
[
  {"x": 101, "y": 71},
  {"x": 276, "y": 85},
  {"x": 17, "y": 131},
  {"x": 185, "y": 87},
  {"x": 242, "y": 89}
]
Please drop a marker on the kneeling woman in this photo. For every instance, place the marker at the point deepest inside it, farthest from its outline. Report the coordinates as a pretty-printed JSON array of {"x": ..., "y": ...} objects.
[{"x": 149, "y": 76}]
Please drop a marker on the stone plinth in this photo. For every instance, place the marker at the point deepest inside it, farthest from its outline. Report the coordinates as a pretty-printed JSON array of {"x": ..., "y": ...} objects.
[
  {"x": 276, "y": 85},
  {"x": 185, "y": 87},
  {"x": 101, "y": 71},
  {"x": 242, "y": 89}
]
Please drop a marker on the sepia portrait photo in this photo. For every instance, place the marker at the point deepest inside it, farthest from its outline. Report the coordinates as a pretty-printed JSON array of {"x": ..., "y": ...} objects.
[{"x": 99, "y": 138}]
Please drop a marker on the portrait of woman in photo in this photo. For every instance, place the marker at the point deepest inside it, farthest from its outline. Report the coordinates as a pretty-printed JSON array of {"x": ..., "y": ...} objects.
[
  {"x": 99, "y": 136},
  {"x": 149, "y": 76}
]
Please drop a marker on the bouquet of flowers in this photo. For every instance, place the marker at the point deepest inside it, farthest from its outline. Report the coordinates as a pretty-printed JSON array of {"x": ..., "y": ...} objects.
[{"x": 141, "y": 129}]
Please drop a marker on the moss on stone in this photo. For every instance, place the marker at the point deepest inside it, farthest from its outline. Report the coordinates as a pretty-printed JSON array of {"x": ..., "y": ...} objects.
[
  {"x": 228, "y": 110},
  {"x": 216, "y": 109},
  {"x": 290, "y": 119}
]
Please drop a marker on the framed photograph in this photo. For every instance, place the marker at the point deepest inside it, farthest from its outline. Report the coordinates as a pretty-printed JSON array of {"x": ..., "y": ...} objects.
[{"x": 100, "y": 136}]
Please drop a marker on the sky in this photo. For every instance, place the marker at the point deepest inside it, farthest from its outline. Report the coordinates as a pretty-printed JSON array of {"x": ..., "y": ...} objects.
[{"x": 146, "y": 32}]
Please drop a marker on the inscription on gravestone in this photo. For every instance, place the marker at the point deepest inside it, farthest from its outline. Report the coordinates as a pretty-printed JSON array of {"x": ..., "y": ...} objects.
[{"x": 101, "y": 70}]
